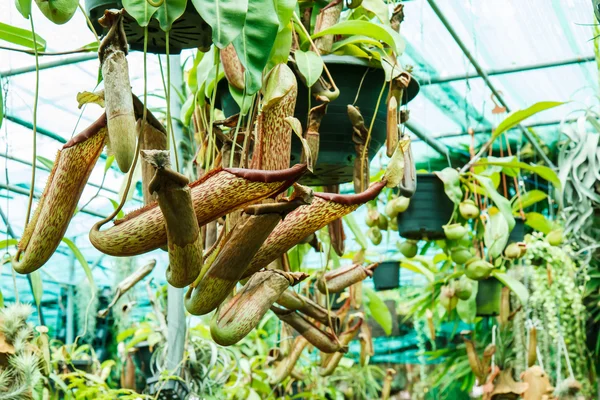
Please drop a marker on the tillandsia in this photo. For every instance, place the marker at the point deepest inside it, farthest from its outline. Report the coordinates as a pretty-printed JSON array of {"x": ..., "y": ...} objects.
[
  {"x": 344, "y": 339},
  {"x": 322, "y": 340},
  {"x": 184, "y": 241},
  {"x": 127, "y": 284},
  {"x": 296, "y": 302},
  {"x": 216, "y": 194},
  {"x": 70, "y": 172},
  {"x": 232, "y": 257},
  {"x": 339, "y": 279},
  {"x": 303, "y": 221},
  {"x": 360, "y": 137},
  {"x": 235, "y": 318},
  {"x": 285, "y": 367},
  {"x": 273, "y": 146},
  {"x": 112, "y": 53}
]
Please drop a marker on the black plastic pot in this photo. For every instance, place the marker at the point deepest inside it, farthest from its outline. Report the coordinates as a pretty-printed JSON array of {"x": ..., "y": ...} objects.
[
  {"x": 336, "y": 149},
  {"x": 143, "y": 358},
  {"x": 188, "y": 31},
  {"x": 387, "y": 275},
  {"x": 518, "y": 232},
  {"x": 489, "y": 297},
  {"x": 169, "y": 390},
  {"x": 428, "y": 211}
]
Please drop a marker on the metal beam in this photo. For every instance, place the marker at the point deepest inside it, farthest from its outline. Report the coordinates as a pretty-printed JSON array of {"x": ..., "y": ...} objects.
[
  {"x": 480, "y": 131},
  {"x": 435, "y": 144},
  {"x": 49, "y": 65},
  {"x": 489, "y": 84},
  {"x": 503, "y": 71}
]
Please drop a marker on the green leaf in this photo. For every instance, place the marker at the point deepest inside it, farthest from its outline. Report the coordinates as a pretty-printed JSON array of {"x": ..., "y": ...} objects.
[
  {"x": 225, "y": 17},
  {"x": 527, "y": 199},
  {"x": 192, "y": 78},
  {"x": 538, "y": 222},
  {"x": 517, "y": 287},
  {"x": 140, "y": 10},
  {"x": 281, "y": 47},
  {"x": 8, "y": 242},
  {"x": 500, "y": 201},
  {"x": 108, "y": 163},
  {"x": 46, "y": 162},
  {"x": 467, "y": 309},
  {"x": 91, "y": 47},
  {"x": 84, "y": 264},
  {"x": 24, "y": 7},
  {"x": 378, "y": 310},
  {"x": 310, "y": 66},
  {"x": 419, "y": 269},
  {"x": 378, "y": 32},
  {"x": 356, "y": 39},
  {"x": 37, "y": 287},
  {"x": 168, "y": 12},
  {"x": 451, "y": 179},
  {"x": 284, "y": 9},
  {"x": 542, "y": 171},
  {"x": 1, "y": 299},
  {"x": 516, "y": 117},
  {"x": 359, "y": 236},
  {"x": 21, "y": 37},
  {"x": 243, "y": 102},
  {"x": 187, "y": 109},
  {"x": 253, "y": 45},
  {"x": 379, "y": 8},
  {"x": 496, "y": 233},
  {"x": 296, "y": 255},
  {"x": 114, "y": 203}
]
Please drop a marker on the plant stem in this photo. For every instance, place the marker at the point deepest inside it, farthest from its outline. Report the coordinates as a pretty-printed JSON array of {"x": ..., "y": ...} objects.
[
  {"x": 170, "y": 132},
  {"x": 35, "y": 105},
  {"x": 36, "y": 53},
  {"x": 89, "y": 22},
  {"x": 363, "y": 157}
]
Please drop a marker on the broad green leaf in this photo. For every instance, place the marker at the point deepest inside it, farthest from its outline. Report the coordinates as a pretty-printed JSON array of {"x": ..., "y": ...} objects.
[
  {"x": 496, "y": 233},
  {"x": 517, "y": 287},
  {"x": 108, "y": 163},
  {"x": 91, "y": 47},
  {"x": 21, "y": 37},
  {"x": 253, "y": 45},
  {"x": 467, "y": 309},
  {"x": 24, "y": 7},
  {"x": 310, "y": 66},
  {"x": 527, "y": 199},
  {"x": 538, "y": 222},
  {"x": 356, "y": 40},
  {"x": 225, "y": 17},
  {"x": 285, "y": 9},
  {"x": 187, "y": 109},
  {"x": 379, "y": 8},
  {"x": 140, "y": 10},
  {"x": 542, "y": 171},
  {"x": 84, "y": 264},
  {"x": 244, "y": 102},
  {"x": 499, "y": 201},
  {"x": 359, "y": 236},
  {"x": 516, "y": 117},
  {"x": 281, "y": 48},
  {"x": 378, "y": 310},
  {"x": 37, "y": 287},
  {"x": 168, "y": 12},
  {"x": 451, "y": 179},
  {"x": 46, "y": 162},
  {"x": 192, "y": 77},
  {"x": 379, "y": 32},
  {"x": 419, "y": 269}
]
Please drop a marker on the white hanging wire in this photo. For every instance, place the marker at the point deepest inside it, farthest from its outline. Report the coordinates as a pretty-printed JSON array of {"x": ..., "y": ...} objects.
[{"x": 494, "y": 329}]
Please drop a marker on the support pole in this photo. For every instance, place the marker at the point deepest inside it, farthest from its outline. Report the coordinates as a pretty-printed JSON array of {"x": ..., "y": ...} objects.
[
  {"x": 70, "y": 305},
  {"x": 484, "y": 76},
  {"x": 50, "y": 64}
]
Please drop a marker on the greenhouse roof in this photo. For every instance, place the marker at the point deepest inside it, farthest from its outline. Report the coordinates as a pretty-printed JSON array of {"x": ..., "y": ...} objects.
[{"x": 531, "y": 51}]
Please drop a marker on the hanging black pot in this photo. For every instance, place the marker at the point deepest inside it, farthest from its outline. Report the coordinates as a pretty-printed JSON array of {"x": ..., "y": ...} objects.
[
  {"x": 336, "y": 150},
  {"x": 387, "y": 275},
  {"x": 489, "y": 297},
  {"x": 518, "y": 232},
  {"x": 171, "y": 389},
  {"x": 188, "y": 31},
  {"x": 428, "y": 211}
]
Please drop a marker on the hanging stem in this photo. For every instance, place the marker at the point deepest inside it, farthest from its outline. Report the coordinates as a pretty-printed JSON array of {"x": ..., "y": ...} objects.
[
  {"x": 89, "y": 23},
  {"x": 170, "y": 132},
  {"x": 363, "y": 157},
  {"x": 35, "y": 105}
]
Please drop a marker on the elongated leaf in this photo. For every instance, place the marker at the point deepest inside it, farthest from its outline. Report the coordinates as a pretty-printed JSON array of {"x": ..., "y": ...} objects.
[
  {"x": 244, "y": 102},
  {"x": 8, "y": 242},
  {"x": 356, "y": 40},
  {"x": 359, "y": 236},
  {"x": 496, "y": 233},
  {"x": 379, "y": 8},
  {"x": 225, "y": 17},
  {"x": 378, "y": 310},
  {"x": 310, "y": 66},
  {"x": 168, "y": 12},
  {"x": 21, "y": 37},
  {"x": 1, "y": 299},
  {"x": 369, "y": 29},
  {"x": 500, "y": 201},
  {"x": 46, "y": 162},
  {"x": 542, "y": 171},
  {"x": 108, "y": 163},
  {"x": 517, "y": 287},
  {"x": 82, "y": 261},
  {"x": 419, "y": 269},
  {"x": 140, "y": 10},
  {"x": 281, "y": 47},
  {"x": 451, "y": 179},
  {"x": 538, "y": 222},
  {"x": 253, "y": 45},
  {"x": 527, "y": 199},
  {"x": 115, "y": 204},
  {"x": 24, "y": 7},
  {"x": 296, "y": 255},
  {"x": 37, "y": 286},
  {"x": 285, "y": 10},
  {"x": 516, "y": 117}
]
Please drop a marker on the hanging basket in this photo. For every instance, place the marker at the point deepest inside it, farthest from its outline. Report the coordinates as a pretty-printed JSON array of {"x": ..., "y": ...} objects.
[
  {"x": 166, "y": 389},
  {"x": 387, "y": 276},
  {"x": 428, "y": 211},
  {"x": 335, "y": 162},
  {"x": 188, "y": 31},
  {"x": 489, "y": 297}
]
